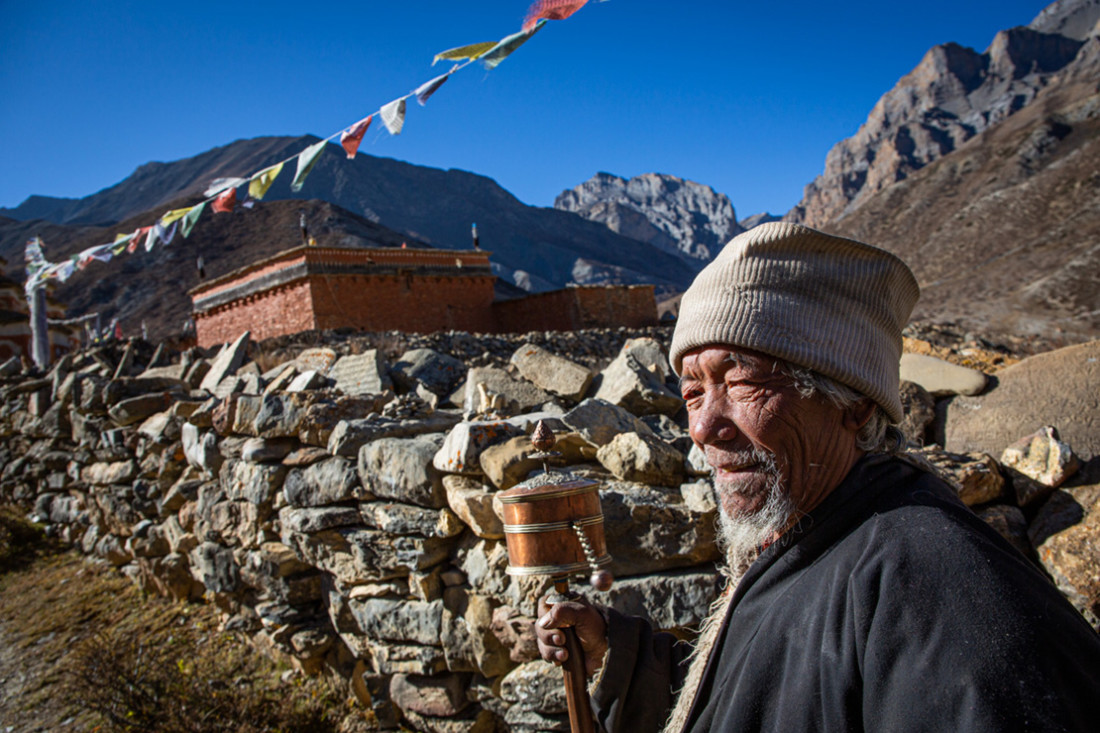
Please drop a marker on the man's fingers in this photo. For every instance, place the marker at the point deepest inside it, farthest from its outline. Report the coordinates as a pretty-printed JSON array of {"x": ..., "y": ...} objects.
[{"x": 560, "y": 615}]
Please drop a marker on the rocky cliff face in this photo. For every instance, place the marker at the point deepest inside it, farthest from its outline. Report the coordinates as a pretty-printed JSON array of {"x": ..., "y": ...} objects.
[
  {"x": 1002, "y": 233},
  {"x": 674, "y": 215},
  {"x": 954, "y": 94}
]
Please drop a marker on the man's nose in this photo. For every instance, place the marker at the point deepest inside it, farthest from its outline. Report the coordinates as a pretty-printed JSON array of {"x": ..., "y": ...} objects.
[{"x": 709, "y": 424}]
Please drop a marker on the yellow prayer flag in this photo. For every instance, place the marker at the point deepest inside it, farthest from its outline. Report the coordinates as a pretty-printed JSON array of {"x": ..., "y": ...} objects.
[
  {"x": 173, "y": 215},
  {"x": 473, "y": 51},
  {"x": 257, "y": 187}
]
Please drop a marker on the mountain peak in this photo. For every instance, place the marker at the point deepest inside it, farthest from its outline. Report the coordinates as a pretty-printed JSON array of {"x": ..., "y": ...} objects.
[{"x": 682, "y": 217}]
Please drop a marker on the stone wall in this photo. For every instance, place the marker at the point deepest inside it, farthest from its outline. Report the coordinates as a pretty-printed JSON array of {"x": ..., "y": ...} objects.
[{"x": 340, "y": 507}]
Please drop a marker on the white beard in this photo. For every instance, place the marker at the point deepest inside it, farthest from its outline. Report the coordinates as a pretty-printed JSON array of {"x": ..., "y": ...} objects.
[{"x": 740, "y": 539}]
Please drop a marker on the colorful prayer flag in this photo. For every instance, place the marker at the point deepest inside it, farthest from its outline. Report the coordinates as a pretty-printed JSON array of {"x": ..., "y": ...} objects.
[
  {"x": 159, "y": 232},
  {"x": 507, "y": 45},
  {"x": 103, "y": 253},
  {"x": 218, "y": 185},
  {"x": 428, "y": 88},
  {"x": 135, "y": 238},
  {"x": 188, "y": 222},
  {"x": 473, "y": 51},
  {"x": 225, "y": 202},
  {"x": 306, "y": 160},
  {"x": 64, "y": 270},
  {"x": 258, "y": 185},
  {"x": 393, "y": 116},
  {"x": 121, "y": 242},
  {"x": 351, "y": 137},
  {"x": 173, "y": 215},
  {"x": 551, "y": 10}
]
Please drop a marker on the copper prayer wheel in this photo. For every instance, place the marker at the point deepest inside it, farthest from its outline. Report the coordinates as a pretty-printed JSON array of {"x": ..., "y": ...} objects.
[{"x": 554, "y": 526}]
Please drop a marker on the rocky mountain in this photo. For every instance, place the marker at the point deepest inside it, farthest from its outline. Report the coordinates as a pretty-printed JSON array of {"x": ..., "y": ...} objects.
[
  {"x": 757, "y": 219},
  {"x": 677, "y": 216},
  {"x": 540, "y": 248},
  {"x": 953, "y": 94},
  {"x": 1004, "y": 232}
]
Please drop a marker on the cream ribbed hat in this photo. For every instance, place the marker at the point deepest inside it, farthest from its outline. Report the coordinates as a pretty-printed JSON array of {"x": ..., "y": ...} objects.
[{"x": 833, "y": 305}]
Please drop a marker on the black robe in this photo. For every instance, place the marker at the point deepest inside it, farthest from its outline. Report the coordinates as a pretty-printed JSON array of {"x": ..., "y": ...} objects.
[{"x": 891, "y": 607}]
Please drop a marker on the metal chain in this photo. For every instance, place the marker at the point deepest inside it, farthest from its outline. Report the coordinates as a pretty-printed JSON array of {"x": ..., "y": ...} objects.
[{"x": 586, "y": 546}]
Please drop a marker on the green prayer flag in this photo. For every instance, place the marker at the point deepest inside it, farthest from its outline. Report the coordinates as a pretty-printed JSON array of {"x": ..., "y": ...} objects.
[
  {"x": 306, "y": 160},
  {"x": 192, "y": 216},
  {"x": 507, "y": 45}
]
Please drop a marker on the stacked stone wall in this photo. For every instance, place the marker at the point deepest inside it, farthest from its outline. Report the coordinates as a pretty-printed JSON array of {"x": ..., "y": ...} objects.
[{"x": 341, "y": 507}]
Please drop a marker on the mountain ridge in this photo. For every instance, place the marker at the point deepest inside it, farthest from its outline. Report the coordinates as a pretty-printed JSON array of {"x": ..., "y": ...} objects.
[{"x": 953, "y": 94}]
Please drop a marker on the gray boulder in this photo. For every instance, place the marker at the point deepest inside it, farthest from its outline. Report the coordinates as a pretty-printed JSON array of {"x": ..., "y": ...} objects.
[
  {"x": 227, "y": 362},
  {"x": 599, "y": 421},
  {"x": 326, "y": 482},
  {"x": 514, "y": 395},
  {"x": 635, "y": 381},
  {"x": 461, "y": 451},
  {"x": 668, "y": 600},
  {"x": 644, "y": 458},
  {"x": 649, "y": 529},
  {"x": 438, "y": 373},
  {"x": 551, "y": 372},
  {"x": 399, "y": 620},
  {"x": 401, "y": 469}
]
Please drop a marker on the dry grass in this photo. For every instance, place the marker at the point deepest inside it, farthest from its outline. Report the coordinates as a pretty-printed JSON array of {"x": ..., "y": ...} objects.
[{"x": 81, "y": 649}]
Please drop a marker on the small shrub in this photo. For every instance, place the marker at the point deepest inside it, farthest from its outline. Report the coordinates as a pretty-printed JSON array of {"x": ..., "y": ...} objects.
[
  {"x": 192, "y": 683},
  {"x": 20, "y": 540}
]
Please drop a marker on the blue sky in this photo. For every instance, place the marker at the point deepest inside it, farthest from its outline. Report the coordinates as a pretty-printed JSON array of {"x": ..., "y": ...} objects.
[{"x": 745, "y": 97}]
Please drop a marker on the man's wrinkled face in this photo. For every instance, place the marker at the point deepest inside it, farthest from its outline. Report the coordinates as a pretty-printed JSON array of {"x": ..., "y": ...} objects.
[{"x": 759, "y": 434}]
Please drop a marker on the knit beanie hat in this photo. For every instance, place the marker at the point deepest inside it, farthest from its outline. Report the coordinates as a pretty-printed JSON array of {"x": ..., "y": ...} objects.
[{"x": 832, "y": 305}]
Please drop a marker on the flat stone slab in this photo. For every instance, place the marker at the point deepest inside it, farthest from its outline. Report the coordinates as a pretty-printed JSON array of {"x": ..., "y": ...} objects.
[
  {"x": 1057, "y": 388},
  {"x": 318, "y": 359},
  {"x": 941, "y": 378},
  {"x": 365, "y": 373},
  {"x": 227, "y": 362}
]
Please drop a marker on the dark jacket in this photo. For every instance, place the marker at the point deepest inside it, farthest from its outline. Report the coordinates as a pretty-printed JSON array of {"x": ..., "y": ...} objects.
[{"x": 891, "y": 607}]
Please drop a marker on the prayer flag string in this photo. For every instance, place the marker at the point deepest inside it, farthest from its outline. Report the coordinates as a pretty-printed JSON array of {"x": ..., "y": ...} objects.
[{"x": 223, "y": 196}]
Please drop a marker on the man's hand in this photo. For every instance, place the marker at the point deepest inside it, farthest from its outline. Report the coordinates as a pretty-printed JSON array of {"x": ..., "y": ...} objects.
[{"x": 586, "y": 621}]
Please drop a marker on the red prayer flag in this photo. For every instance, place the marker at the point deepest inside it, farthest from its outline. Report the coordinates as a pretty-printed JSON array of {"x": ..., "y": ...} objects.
[
  {"x": 550, "y": 10},
  {"x": 138, "y": 233},
  {"x": 225, "y": 202},
  {"x": 351, "y": 137}
]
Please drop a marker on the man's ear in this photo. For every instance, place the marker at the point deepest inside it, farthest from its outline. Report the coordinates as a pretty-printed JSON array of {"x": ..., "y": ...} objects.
[{"x": 856, "y": 416}]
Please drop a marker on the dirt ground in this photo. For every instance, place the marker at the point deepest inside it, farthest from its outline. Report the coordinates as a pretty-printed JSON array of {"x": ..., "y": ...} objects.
[{"x": 52, "y": 609}]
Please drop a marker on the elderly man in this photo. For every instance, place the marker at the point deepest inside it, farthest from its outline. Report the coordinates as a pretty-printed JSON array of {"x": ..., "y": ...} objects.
[{"x": 863, "y": 595}]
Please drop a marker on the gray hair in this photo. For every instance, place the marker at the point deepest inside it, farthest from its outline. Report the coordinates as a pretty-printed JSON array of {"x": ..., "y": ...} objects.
[{"x": 878, "y": 435}]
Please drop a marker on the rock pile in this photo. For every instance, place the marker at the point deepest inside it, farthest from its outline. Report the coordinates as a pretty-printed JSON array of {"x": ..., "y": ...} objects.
[{"x": 340, "y": 508}]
